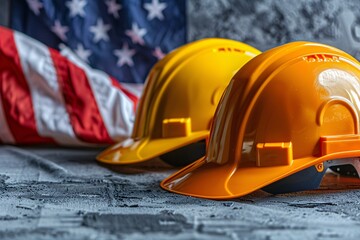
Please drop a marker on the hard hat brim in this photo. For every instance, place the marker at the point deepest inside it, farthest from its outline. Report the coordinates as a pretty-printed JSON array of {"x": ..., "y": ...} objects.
[
  {"x": 135, "y": 151},
  {"x": 210, "y": 180}
]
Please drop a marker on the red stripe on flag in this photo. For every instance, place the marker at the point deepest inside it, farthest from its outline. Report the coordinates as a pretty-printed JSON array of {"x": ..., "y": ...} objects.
[
  {"x": 80, "y": 102},
  {"x": 15, "y": 94},
  {"x": 130, "y": 95}
]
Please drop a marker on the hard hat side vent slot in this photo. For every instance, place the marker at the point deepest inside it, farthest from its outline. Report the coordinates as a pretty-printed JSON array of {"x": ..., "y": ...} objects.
[
  {"x": 274, "y": 154},
  {"x": 176, "y": 127},
  {"x": 339, "y": 143}
]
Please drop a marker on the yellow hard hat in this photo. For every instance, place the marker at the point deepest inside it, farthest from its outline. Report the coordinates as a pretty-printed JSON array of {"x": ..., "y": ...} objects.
[
  {"x": 285, "y": 117},
  {"x": 180, "y": 97}
]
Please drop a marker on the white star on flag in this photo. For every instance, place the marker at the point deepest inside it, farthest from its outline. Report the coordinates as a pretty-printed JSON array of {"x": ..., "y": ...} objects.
[
  {"x": 113, "y": 8},
  {"x": 158, "y": 53},
  {"x": 60, "y": 30},
  {"x": 83, "y": 53},
  {"x": 136, "y": 34},
  {"x": 76, "y": 7},
  {"x": 155, "y": 9},
  {"x": 35, "y": 6},
  {"x": 124, "y": 55},
  {"x": 100, "y": 31}
]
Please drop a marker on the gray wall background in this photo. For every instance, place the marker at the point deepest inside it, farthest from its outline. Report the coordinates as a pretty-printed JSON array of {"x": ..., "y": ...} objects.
[{"x": 268, "y": 23}]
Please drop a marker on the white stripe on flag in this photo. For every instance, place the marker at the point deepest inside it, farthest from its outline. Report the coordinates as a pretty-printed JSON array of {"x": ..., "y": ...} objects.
[
  {"x": 116, "y": 109},
  {"x": 52, "y": 119},
  {"x": 5, "y": 133},
  {"x": 134, "y": 88}
]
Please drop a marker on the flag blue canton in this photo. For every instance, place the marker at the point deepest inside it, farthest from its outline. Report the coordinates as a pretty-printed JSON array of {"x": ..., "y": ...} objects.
[{"x": 123, "y": 38}]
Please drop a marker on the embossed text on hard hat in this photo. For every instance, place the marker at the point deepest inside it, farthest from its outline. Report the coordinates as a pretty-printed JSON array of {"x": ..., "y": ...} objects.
[{"x": 321, "y": 58}]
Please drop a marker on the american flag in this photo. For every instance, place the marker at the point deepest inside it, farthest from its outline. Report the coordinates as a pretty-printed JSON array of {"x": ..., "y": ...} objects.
[{"x": 78, "y": 83}]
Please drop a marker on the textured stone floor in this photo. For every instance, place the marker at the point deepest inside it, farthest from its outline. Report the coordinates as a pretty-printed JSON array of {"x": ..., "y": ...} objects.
[{"x": 61, "y": 193}]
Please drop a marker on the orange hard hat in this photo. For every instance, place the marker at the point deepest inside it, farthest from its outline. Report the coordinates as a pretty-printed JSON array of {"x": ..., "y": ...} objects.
[
  {"x": 179, "y": 101},
  {"x": 290, "y": 111}
]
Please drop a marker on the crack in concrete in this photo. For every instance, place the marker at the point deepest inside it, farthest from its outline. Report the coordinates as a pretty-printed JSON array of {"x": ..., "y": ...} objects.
[
  {"x": 311, "y": 205},
  {"x": 142, "y": 223}
]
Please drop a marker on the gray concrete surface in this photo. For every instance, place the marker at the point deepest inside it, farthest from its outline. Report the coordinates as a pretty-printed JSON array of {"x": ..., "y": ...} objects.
[{"x": 56, "y": 193}]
